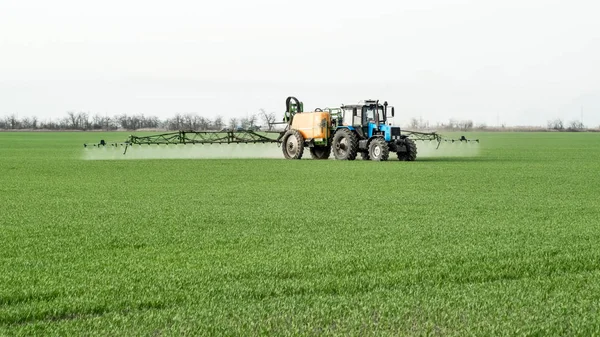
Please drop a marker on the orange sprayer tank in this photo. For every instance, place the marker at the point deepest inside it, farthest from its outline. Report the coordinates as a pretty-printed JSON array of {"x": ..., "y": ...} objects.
[{"x": 312, "y": 125}]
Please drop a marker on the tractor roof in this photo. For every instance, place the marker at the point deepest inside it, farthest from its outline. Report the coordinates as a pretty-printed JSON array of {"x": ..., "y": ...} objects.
[{"x": 362, "y": 103}]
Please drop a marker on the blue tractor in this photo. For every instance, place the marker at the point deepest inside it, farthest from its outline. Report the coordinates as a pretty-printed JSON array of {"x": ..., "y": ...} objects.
[{"x": 364, "y": 128}]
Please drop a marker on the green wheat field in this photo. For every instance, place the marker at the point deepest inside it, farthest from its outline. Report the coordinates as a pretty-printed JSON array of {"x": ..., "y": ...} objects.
[{"x": 502, "y": 241}]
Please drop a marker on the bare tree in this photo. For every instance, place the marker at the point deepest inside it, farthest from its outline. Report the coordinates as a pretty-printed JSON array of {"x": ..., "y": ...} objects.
[
  {"x": 152, "y": 122},
  {"x": 233, "y": 122},
  {"x": 268, "y": 118},
  {"x": 12, "y": 121},
  {"x": 125, "y": 122},
  {"x": 188, "y": 121},
  {"x": 244, "y": 123},
  {"x": 465, "y": 125},
  {"x": 112, "y": 123},
  {"x": 414, "y": 123},
  {"x": 453, "y": 123},
  {"x": 73, "y": 121},
  {"x": 98, "y": 121},
  {"x": 199, "y": 123},
  {"x": 248, "y": 122},
  {"x": 64, "y": 123},
  {"x": 204, "y": 123},
  {"x": 481, "y": 126},
  {"x": 26, "y": 123},
  {"x": 556, "y": 124},
  {"x": 77, "y": 120},
  {"x": 218, "y": 123},
  {"x": 84, "y": 120},
  {"x": 576, "y": 126},
  {"x": 252, "y": 119},
  {"x": 175, "y": 123}
]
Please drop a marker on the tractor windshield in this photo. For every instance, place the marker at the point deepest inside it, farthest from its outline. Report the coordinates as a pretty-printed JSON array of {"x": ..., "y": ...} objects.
[{"x": 370, "y": 111}]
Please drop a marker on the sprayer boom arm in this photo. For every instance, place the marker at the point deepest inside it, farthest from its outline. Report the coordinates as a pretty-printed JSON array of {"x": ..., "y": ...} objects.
[
  {"x": 433, "y": 136},
  {"x": 203, "y": 137},
  {"x": 195, "y": 137}
]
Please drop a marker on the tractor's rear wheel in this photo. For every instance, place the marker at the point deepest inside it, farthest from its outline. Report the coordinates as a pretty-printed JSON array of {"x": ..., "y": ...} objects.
[
  {"x": 345, "y": 145},
  {"x": 293, "y": 144},
  {"x": 379, "y": 150},
  {"x": 320, "y": 152},
  {"x": 411, "y": 151}
]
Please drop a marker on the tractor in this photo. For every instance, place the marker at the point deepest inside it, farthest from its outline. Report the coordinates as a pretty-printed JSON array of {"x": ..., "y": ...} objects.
[{"x": 346, "y": 131}]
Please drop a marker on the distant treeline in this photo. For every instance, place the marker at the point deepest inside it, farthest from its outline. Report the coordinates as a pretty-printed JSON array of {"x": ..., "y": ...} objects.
[
  {"x": 85, "y": 121},
  {"x": 261, "y": 120},
  {"x": 468, "y": 125}
]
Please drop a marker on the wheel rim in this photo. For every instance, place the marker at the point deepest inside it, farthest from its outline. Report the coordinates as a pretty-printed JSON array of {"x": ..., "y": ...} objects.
[
  {"x": 292, "y": 145},
  {"x": 376, "y": 151},
  {"x": 341, "y": 147}
]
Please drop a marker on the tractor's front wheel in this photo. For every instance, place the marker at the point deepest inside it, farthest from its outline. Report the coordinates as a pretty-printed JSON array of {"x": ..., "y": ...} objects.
[
  {"x": 379, "y": 150},
  {"x": 293, "y": 144},
  {"x": 320, "y": 152},
  {"x": 345, "y": 145},
  {"x": 411, "y": 151}
]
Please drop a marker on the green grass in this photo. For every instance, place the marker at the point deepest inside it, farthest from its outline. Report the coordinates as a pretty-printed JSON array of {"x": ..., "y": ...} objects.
[{"x": 505, "y": 243}]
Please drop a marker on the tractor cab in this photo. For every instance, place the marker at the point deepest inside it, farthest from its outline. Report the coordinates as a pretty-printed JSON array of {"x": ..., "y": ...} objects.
[{"x": 368, "y": 118}]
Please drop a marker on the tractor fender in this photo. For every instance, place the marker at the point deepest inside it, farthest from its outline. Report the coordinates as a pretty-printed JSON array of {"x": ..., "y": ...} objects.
[{"x": 374, "y": 137}]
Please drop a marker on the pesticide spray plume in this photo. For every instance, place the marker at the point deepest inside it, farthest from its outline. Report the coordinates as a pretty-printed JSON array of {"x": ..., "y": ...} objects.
[
  {"x": 430, "y": 149},
  {"x": 181, "y": 151},
  {"x": 426, "y": 149}
]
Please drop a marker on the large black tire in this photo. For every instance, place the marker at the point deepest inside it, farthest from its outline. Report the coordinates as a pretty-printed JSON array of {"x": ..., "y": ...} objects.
[
  {"x": 365, "y": 156},
  {"x": 379, "y": 150},
  {"x": 292, "y": 144},
  {"x": 345, "y": 145},
  {"x": 320, "y": 152},
  {"x": 411, "y": 151}
]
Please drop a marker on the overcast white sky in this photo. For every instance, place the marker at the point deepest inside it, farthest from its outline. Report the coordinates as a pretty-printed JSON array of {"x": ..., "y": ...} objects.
[{"x": 517, "y": 62}]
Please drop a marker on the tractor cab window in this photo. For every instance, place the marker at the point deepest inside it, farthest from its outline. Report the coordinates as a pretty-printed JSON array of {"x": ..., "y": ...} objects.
[
  {"x": 348, "y": 116},
  {"x": 370, "y": 111}
]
